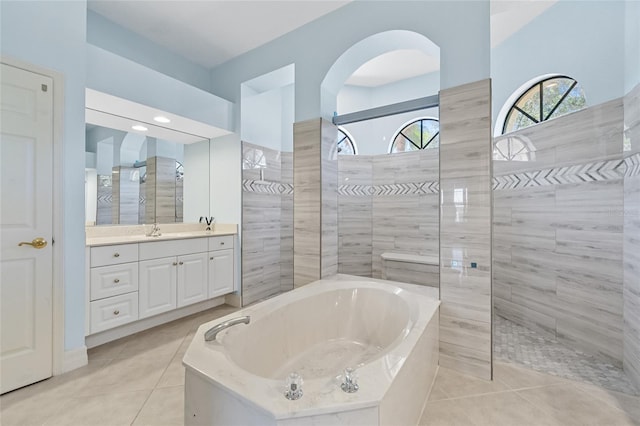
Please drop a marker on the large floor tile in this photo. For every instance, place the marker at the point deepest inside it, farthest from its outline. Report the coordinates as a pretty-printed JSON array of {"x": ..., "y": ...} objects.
[
  {"x": 444, "y": 413},
  {"x": 504, "y": 409},
  {"x": 626, "y": 403},
  {"x": 517, "y": 377},
  {"x": 155, "y": 344},
  {"x": 569, "y": 405},
  {"x": 456, "y": 385},
  {"x": 32, "y": 408},
  {"x": 112, "y": 410},
  {"x": 137, "y": 373},
  {"x": 165, "y": 407}
]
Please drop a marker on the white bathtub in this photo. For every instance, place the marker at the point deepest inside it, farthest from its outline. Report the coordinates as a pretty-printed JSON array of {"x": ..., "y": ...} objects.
[{"x": 387, "y": 331}]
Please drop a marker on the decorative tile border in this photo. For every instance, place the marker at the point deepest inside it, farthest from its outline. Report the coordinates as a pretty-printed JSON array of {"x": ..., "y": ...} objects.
[
  {"x": 579, "y": 173},
  {"x": 633, "y": 165},
  {"x": 267, "y": 187},
  {"x": 391, "y": 189}
]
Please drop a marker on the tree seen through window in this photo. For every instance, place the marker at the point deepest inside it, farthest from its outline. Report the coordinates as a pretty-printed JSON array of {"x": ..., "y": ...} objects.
[{"x": 545, "y": 100}]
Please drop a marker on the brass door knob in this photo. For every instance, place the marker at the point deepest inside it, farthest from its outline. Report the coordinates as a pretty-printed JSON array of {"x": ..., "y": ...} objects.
[{"x": 37, "y": 243}]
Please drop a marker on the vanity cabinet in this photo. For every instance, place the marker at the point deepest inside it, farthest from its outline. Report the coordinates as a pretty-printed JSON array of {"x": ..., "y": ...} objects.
[
  {"x": 113, "y": 288},
  {"x": 158, "y": 286},
  {"x": 220, "y": 272},
  {"x": 134, "y": 281}
]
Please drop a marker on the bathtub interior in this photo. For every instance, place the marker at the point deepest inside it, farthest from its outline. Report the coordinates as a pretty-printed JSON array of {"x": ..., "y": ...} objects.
[{"x": 321, "y": 334}]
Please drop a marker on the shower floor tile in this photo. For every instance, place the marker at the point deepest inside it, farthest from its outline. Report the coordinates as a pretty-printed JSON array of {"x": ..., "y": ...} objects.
[{"x": 518, "y": 344}]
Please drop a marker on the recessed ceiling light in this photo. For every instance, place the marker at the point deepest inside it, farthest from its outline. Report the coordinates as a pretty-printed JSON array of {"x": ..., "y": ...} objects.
[
  {"x": 139, "y": 128},
  {"x": 162, "y": 119}
]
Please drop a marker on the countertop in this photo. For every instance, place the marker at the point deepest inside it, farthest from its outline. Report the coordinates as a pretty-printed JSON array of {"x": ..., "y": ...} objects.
[{"x": 110, "y": 235}]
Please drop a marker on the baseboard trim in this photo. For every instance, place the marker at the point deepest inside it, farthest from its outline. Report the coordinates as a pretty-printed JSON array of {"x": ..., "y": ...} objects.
[{"x": 75, "y": 358}]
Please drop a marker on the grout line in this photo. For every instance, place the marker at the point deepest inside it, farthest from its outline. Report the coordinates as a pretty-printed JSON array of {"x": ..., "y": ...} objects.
[{"x": 159, "y": 378}]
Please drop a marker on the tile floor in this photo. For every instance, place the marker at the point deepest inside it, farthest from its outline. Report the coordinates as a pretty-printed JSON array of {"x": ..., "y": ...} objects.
[{"x": 138, "y": 380}]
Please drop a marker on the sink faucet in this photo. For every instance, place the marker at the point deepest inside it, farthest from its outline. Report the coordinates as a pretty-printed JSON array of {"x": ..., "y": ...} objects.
[
  {"x": 155, "y": 231},
  {"x": 213, "y": 331},
  {"x": 209, "y": 221}
]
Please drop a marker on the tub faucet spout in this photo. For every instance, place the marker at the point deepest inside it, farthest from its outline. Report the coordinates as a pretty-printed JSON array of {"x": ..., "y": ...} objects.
[{"x": 213, "y": 331}]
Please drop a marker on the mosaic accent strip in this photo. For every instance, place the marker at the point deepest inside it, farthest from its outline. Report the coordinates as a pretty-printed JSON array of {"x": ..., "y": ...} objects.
[
  {"x": 390, "y": 189},
  {"x": 266, "y": 187},
  {"x": 579, "y": 173},
  {"x": 633, "y": 165}
]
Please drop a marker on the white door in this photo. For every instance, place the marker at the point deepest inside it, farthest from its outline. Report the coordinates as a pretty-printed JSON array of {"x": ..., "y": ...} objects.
[
  {"x": 220, "y": 272},
  {"x": 192, "y": 278},
  {"x": 157, "y": 286},
  {"x": 26, "y": 273}
]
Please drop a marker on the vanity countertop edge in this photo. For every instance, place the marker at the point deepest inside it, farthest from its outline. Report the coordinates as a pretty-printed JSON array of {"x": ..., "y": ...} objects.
[{"x": 132, "y": 239}]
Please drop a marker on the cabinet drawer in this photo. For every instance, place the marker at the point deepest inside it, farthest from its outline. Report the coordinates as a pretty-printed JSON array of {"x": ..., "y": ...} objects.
[
  {"x": 219, "y": 243},
  {"x": 113, "y": 311},
  {"x": 111, "y": 255},
  {"x": 107, "y": 281},
  {"x": 160, "y": 249}
]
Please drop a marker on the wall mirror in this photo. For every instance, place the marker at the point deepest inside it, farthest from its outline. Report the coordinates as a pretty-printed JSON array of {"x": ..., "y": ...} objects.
[{"x": 138, "y": 173}]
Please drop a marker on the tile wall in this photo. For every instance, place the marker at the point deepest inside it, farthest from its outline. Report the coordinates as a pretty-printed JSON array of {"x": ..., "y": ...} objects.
[
  {"x": 386, "y": 203},
  {"x": 315, "y": 176},
  {"x": 105, "y": 200},
  {"x": 558, "y": 228},
  {"x": 267, "y": 222},
  {"x": 631, "y": 243},
  {"x": 126, "y": 195},
  {"x": 465, "y": 229}
]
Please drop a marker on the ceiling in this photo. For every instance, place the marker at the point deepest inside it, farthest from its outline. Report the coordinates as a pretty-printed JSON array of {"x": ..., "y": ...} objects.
[{"x": 219, "y": 30}]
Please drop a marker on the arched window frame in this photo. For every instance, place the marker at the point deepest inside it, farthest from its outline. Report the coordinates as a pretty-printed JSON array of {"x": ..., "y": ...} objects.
[
  {"x": 525, "y": 90},
  {"x": 346, "y": 137},
  {"x": 409, "y": 123}
]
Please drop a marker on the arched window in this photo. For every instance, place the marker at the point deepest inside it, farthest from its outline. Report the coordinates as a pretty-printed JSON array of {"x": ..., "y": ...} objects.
[
  {"x": 421, "y": 133},
  {"x": 345, "y": 144},
  {"x": 547, "y": 99}
]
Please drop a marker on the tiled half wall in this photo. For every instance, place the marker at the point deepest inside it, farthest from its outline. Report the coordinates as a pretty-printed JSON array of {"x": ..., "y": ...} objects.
[
  {"x": 315, "y": 179},
  {"x": 631, "y": 243},
  {"x": 558, "y": 228},
  {"x": 267, "y": 222},
  {"x": 465, "y": 229},
  {"x": 386, "y": 203}
]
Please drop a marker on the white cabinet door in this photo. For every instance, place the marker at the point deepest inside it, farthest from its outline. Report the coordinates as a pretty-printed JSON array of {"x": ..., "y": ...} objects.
[
  {"x": 192, "y": 278},
  {"x": 157, "y": 286},
  {"x": 220, "y": 272}
]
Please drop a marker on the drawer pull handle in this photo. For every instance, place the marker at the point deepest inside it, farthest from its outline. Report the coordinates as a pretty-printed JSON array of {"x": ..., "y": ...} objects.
[
  {"x": 117, "y": 280},
  {"x": 175, "y": 263},
  {"x": 181, "y": 263},
  {"x": 211, "y": 258},
  {"x": 116, "y": 254},
  {"x": 116, "y": 312},
  {"x": 222, "y": 243}
]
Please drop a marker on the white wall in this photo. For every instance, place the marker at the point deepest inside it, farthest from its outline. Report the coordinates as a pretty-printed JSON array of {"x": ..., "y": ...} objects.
[
  {"x": 112, "y": 37},
  {"x": 357, "y": 98},
  {"x": 226, "y": 179},
  {"x": 581, "y": 39},
  {"x": 90, "y": 195},
  {"x": 373, "y": 137},
  {"x": 121, "y": 77},
  {"x": 632, "y": 45},
  {"x": 196, "y": 181},
  {"x": 460, "y": 29},
  {"x": 52, "y": 35},
  {"x": 267, "y": 117}
]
